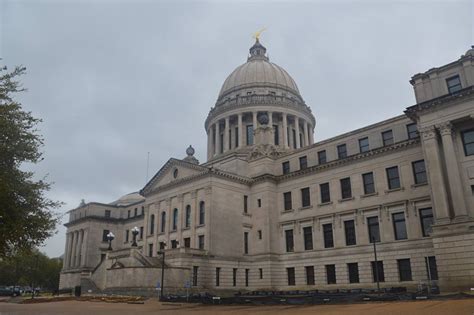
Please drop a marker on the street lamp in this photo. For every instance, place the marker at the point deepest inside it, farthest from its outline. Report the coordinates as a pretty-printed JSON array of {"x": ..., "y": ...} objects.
[
  {"x": 162, "y": 252},
  {"x": 110, "y": 238},
  {"x": 135, "y": 232}
]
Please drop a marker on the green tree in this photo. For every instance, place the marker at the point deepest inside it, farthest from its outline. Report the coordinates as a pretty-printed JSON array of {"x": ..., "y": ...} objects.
[{"x": 26, "y": 214}]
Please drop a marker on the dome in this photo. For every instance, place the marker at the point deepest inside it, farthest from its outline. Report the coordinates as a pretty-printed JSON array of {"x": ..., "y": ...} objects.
[
  {"x": 128, "y": 199},
  {"x": 258, "y": 72}
]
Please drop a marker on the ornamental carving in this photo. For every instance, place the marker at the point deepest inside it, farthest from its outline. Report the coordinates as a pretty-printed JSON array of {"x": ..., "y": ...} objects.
[
  {"x": 265, "y": 150},
  {"x": 428, "y": 132},
  {"x": 445, "y": 129}
]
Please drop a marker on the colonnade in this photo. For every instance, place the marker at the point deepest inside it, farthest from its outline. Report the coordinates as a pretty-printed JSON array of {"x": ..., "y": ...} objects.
[
  {"x": 76, "y": 246},
  {"x": 235, "y": 131}
]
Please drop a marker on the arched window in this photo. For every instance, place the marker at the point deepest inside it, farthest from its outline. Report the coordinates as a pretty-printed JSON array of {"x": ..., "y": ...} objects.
[
  {"x": 202, "y": 211},
  {"x": 175, "y": 219},
  {"x": 152, "y": 224},
  {"x": 163, "y": 221},
  {"x": 188, "y": 216}
]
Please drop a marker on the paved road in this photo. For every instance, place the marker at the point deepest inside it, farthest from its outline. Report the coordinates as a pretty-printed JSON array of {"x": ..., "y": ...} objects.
[{"x": 458, "y": 307}]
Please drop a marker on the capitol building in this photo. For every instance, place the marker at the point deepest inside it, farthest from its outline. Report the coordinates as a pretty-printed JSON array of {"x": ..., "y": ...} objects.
[{"x": 273, "y": 209}]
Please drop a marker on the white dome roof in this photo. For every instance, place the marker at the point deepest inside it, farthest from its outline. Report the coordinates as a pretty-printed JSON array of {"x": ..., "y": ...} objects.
[{"x": 128, "y": 199}]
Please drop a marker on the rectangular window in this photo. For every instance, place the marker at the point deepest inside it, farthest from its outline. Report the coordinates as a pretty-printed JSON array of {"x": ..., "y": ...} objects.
[
  {"x": 341, "y": 151},
  {"x": 135, "y": 212},
  {"x": 104, "y": 235},
  {"x": 349, "y": 229},
  {"x": 374, "y": 231},
  {"x": 259, "y": 234},
  {"x": 221, "y": 144},
  {"x": 412, "y": 131},
  {"x": 331, "y": 274},
  {"x": 377, "y": 270},
  {"x": 260, "y": 270},
  {"x": 287, "y": 200},
  {"x": 454, "y": 84},
  {"x": 236, "y": 133},
  {"x": 150, "y": 250},
  {"x": 468, "y": 142},
  {"x": 327, "y": 235},
  {"x": 399, "y": 226},
  {"x": 426, "y": 218},
  {"x": 387, "y": 137},
  {"x": 195, "y": 275},
  {"x": 201, "y": 241},
  {"x": 246, "y": 199},
  {"x": 364, "y": 145},
  {"x": 174, "y": 244},
  {"x": 353, "y": 270},
  {"x": 187, "y": 242},
  {"x": 141, "y": 232},
  {"x": 431, "y": 268},
  {"x": 419, "y": 172},
  {"x": 162, "y": 245},
  {"x": 322, "y": 157},
  {"x": 294, "y": 138},
  {"x": 368, "y": 181},
  {"x": 289, "y": 240},
  {"x": 246, "y": 242},
  {"x": 308, "y": 237},
  {"x": 309, "y": 275},
  {"x": 346, "y": 191},
  {"x": 218, "y": 276},
  {"x": 128, "y": 214},
  {"x": 249, "y": 134},
  {"x": 234, "y": 277},
  {"x": 127, "y": 236},
  {"x": 286, "y": 167},
  {"x": 247, "y": 277},
  {"x": 325, "y": 193},
  {"x": 305, "y": 197},
  {"x": 107, "y": 213},
  {"x": 259, "y": 203},
  {"x": 303, "y": 162},
  {"x": 393, "y": 178},
  {"x": 291, "y": 275},
  {"x": 404, "y": 269},
  {"x": 276, "y": 135}
]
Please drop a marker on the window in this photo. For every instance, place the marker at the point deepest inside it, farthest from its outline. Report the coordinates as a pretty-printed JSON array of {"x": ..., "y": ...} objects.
[
  {"x": 141, "y": 232},
  {"x": 195, "y": 275},
  {"x": 468, "y": 142},
  {"x": 201, "y": 241},
  {"x": 174, "y": 244},
  {"x": 135, "y": 212},
  {"x": 349, "y": 228},
  {"x": 260, "y": 270},
  {"x": 412, "y": 131},
  {"x": 259, "y": 234},
  {"x": 289, "y": 240},
  {"x": 287, "y": 200},
  {"x": 404, "y": 269},
  {"x": 276, "y": 135},
  {"x": 303, "y": 162},
  {"x": 353, "y": 270},
  {"x": 419, "y": 172},
  {"x": 294, "y": 138},
  {"x": 285, "y": 167},
  {"x": 368, "y": 181},
  {"x": 322, "y": 157},
  {"x": 393, "y": 178},
  {"x": 218, "y": 276},
  {"x": 107, "y": 213},
  {"x": 291, "y": 275},
  {"x": 234, "y": 277},
  {"x": 187, "y": 220},
  {"x": 327, "y": 235},
  {"x": 236, "y": 133},
  {"x": 364, "y": 144},
  {"x": 163, "y": 221},
  {"x": 221, "y": 144},
  {"x": 305, "y": 197},
  {"x": 346, "y": 191},
  {"x": 249, "y": 134},
  {"x": 150, "y": 250},
  {"x": 309, "y": 275},
  {"x": 187, "y": 242},
  {"x": 426, "y": 218},
  {"x": 175, "y": 173},
  {"x": 325, "y": 194},
  {"x": 308, "y": 237},
  {"x": 259, "y": 203},
  {"x": 246, "y": 204},
  {"x": 127, "y": 236},
  {"x": 104, "y": 235},
  {"x": 341, "y": 151},
  {"x": 377, "y": 271},
  {"x": 162, "y": 245},
  {"x": 399, "y": 226},
  {"x": 202, "y": 212},
  {"x": 128, "y": 214},
  {"x": 143, "y": 210},
  {"x": 431, "y": 268},
  {"x": 247, "y": 277},
  {"x": 454, "y": 84},
  {"x": 374, "y": 231},
  {"x": 152, "y": 224},
  {"x": 387, "y": 137},
  {"x": 331, "y": 274},
  {"x": 246, "y": 242}
]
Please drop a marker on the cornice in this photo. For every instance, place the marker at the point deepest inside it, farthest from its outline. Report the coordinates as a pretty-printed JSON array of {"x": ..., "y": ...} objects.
[{"x": 104, "y": 219}]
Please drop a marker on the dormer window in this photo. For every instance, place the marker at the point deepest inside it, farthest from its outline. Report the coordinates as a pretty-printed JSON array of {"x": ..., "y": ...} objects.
[{"x": 454, "y": 84}]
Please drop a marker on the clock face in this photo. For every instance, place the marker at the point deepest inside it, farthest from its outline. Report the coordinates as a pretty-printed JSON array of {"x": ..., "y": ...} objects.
[{"x": 175, "y": 173}]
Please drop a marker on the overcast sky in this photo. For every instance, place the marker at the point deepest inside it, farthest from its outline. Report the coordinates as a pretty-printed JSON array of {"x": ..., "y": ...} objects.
[{"x": 113, "y": 80}]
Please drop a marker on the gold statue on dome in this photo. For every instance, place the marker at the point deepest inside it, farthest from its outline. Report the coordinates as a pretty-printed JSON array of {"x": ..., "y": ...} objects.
[{"x": 256, "y": 35}]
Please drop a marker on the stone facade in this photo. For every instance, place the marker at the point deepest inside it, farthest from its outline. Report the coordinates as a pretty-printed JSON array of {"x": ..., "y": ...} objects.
[{"x": 271, "y": 209}]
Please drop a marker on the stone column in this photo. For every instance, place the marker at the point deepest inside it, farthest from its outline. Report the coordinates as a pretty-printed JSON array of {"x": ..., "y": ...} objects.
[
  {"x": 285, "y": 130},
  {"x": 306, "y": 133},
  {"x": 194, "y": 215},
  {"x": 78, "y": 249},
  {"x": 70, "y": 250},
  {"x": 66, "y": 251},
  {"x": 74, "y": 248},
  {"x": 218, "y": 139},
  {"x": 270, "y": 124},
  {"x": 84, "y": 248},
  {"x": 435, "y": 172},
  {"x": 239, "y": 125},
  {"x": 209, "y": 143},
  {"x": 454, "y": 176},
  {"x": 310, "y": 130},
  {"x": 226, "y": 135},
  {"x": 297, "y": 127},
  {"x": 254, "y": 120}
]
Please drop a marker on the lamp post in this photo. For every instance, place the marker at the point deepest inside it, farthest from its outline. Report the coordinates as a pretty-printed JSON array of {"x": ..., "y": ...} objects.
[
  {"x": 162, "y": 252},
  {"x": 135, "y": 232},
  {"x": 110, "y": 238}
]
